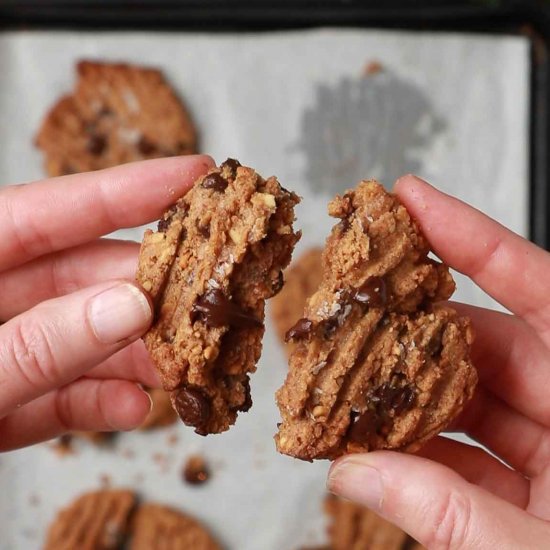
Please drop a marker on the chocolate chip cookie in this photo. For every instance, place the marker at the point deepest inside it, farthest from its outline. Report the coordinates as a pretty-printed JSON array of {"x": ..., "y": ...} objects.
[
  {"x": 95, "y": 521},
  {"x": 302, "y": 279},
  {"x": 354, "y": 527},
  {"x": 113, "y": 520},
  {"x": 156, "y": 527},
  {"x": 217, "y": 256},
  {"x": 377, "y": 364},
  {"x": 118, "y": 113}
]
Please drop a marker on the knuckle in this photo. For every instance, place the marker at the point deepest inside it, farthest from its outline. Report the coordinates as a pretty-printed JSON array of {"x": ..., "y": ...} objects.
[
  {"x": 31, "y": 354},
  {"x": 451, "y": 523}
]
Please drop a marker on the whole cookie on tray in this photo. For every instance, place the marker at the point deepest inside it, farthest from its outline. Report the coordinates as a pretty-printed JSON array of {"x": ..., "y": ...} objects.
[
  {"x": 354, "y": 527},
  {"x": 217, "y": 256},
  {"x": 302, "y": 279},
  {"x": 118, "y": 113},
  {"x": 158, "y": 527},
  {"x": 377, "y": 365},
  {"x": 94, "y": 521}
]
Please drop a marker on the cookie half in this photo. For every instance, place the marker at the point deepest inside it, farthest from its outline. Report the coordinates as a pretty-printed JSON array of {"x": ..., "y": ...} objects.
[
  {"x": 376, "y": 364},
  {"x": 94, "y": 521},
  {"x": 118, "y": 113},
  {"x": 217, "y": 256}
]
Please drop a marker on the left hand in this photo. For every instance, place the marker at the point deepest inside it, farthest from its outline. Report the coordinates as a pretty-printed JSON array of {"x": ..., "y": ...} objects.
[{"x": 70, "y": 309}]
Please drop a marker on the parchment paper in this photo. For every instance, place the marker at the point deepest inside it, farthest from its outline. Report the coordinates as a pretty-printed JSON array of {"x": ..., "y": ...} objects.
[{"x": 451, "y": 108}]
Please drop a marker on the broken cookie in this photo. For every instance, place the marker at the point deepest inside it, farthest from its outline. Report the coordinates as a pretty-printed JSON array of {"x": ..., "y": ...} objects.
[
  {"x": 376, "y": 364},
  {"x": 217, "y": 256}
]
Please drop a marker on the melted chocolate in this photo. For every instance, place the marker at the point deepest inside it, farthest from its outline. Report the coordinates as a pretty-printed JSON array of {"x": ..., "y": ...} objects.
[
  {"x": 193, "y": 408},
  {"x": 165, "y": 222},
  {"x": 215, "y": 309},
  {"x": 232, "y": 165},
  {"x": 363, "y": 426},
  {"x": 383, "y": 405},
  {"x": 214, "y": 181},
  {"x": 300, "y": 331},
  {"x": 372, "y": 293}
]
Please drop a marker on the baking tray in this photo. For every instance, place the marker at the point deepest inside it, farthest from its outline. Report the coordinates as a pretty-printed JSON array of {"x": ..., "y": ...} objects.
[
  {"x": 527, "y": 17},
  {"x": 245, "y": 16}
]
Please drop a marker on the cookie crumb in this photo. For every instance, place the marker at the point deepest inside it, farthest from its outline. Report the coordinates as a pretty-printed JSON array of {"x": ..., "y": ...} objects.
[
  {"x": 196, "y": 470},
  {"x": 372, "y": 67}
]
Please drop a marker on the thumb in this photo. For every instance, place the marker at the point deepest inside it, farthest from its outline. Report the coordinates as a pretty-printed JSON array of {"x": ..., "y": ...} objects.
[{"x": 435, "y": 505}]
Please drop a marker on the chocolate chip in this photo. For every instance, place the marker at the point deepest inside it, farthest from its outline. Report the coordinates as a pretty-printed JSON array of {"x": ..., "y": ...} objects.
[
  {"x": 96, "y": 144},
  {"x": 278, "y": 284},
  {"x": 204, "y": 230},
  {"x": 232, "y": 165},
  {"x": 146, "y": 147},
  {"x": 193, "y": 408},
  {"x": 345, "y": 224},
  {"x": 247, "y": 403},
  {"x": 196, "y": 471},
  {"x": 300, "y": 330},
  {"x": 435, "y": 345},
  {"x": 214, "y": 181},
  {"x": 372, "y": 293},
  {"x": 165, "y": 222},
  {"x": 330, "y": 325},
  {"x": 396, "y": 398},
  {"x": 215, "y": 309}
]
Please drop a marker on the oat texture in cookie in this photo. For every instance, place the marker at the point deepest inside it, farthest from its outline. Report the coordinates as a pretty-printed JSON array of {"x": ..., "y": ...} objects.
[
  {"x": 118, "y": 113},
  {"x": 377, "y": 364},
  {"x": 217, "y": 256},
  {"x": 95, "y": 521},
  {"x": 302, "y": 279}
]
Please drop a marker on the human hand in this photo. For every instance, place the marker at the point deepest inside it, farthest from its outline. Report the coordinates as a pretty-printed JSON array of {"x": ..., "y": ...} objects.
[
  {"x": 453, "y": 495},
  {"x": 68, "y": 303}
]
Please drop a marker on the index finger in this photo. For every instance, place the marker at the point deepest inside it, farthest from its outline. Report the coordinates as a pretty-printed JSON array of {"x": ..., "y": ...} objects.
[
  {"x": 49, "y": 215},
  {"x": 509, "y": 268}
]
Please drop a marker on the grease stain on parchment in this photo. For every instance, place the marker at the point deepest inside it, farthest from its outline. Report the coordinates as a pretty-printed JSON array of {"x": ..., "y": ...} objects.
[{"x": 375, "y": 126}]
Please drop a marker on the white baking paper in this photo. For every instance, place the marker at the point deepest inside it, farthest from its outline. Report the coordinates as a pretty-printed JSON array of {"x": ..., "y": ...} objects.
[{"x": 452, "y": 108}]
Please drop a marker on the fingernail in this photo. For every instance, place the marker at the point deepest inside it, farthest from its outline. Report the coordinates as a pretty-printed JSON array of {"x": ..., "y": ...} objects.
[
  {"x": 119, "y": 313},
  {"x": 357, "y": 481},
  {"x": 150, "y": 400}
]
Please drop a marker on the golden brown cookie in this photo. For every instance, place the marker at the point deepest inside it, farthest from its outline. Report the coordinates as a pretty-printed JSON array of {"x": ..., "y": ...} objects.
[
  {"x": 156, "y": 527},
  {"x": 94, "y": 521},
  {"x": 217, "y": 256},
  {"x": 302, "y": 279},
  {"x": 376, "y": 365},
  {"x": 354, "y": 527},
  {"x": 162, "y": 414},
  {"x": 118, "y": 113}
]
